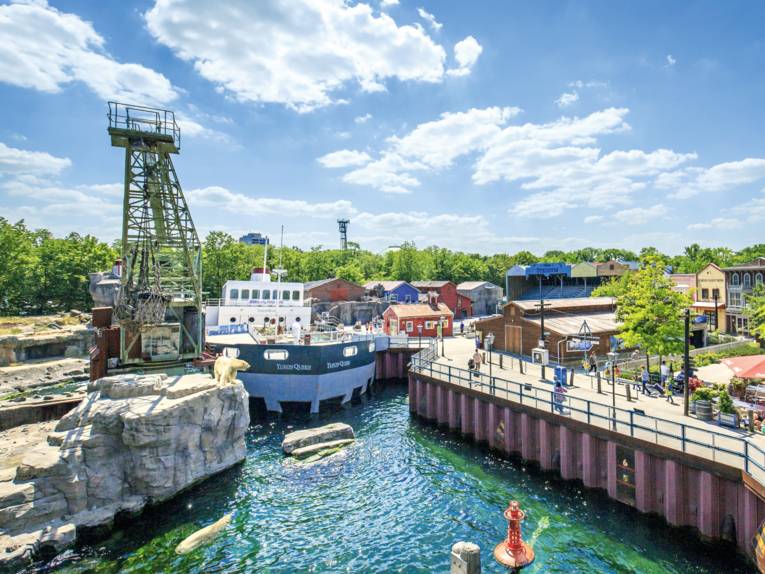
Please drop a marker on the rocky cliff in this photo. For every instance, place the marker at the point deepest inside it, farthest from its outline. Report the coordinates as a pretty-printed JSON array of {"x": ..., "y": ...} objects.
[{"x": 134, "y": 440}]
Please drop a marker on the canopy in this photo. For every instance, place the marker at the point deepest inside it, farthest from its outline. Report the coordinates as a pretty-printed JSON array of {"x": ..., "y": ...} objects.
[{"x": 752, "y": 367}]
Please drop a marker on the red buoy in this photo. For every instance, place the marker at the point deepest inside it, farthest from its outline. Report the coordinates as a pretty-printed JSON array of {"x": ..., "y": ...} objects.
[{"x": 513, "y": 552}]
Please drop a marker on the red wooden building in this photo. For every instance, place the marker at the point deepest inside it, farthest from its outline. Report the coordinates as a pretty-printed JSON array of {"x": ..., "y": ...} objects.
[
  {"x": 335, "y": 289},
  {"x": 406, "y": 319},
  {"x": 460, "y": 305}
]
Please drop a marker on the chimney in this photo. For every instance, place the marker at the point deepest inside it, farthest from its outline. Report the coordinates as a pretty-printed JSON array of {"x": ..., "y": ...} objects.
[{"x": 433, "y": 300}]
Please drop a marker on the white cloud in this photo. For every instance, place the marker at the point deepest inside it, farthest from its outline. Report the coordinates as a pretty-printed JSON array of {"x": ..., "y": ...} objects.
[
  {"x": 224, "y": 199},
  {"x": 716, "y": 223},
  {"x": 670, "y": 61},
  {"x": 296, "y": 53},
  {"x": 430, "y": 19},
  {"x": 45, "y": 49},
  {"x": 15, "y": 161},
  {"x": 389, "y": 174},
  {"x": 641, "y": 215},
  {"x": 362, "y": 119},
  {"x": 567, "y": 99},
  {"x": 344, "y": 158},
  {"x": 466, "y": 53},
  {"x": 689, "y": 182},
  {"x": 386, "y": 3},
  {"x": 593, "y": 219}
]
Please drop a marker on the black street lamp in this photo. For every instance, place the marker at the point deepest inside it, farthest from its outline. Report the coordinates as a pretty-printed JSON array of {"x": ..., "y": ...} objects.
[
  {"x": 612, "y": 356},
  {"x": 686, "y": 359},
  {"x": 419, "y": 335},
  {"x": 441, "y": 324}
]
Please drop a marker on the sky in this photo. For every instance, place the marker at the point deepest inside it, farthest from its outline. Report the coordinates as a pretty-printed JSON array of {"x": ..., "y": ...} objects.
[{"x": 477, "y": 126}]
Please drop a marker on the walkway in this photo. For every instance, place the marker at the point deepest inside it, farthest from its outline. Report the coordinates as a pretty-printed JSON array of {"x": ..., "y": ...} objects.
[{"x": 650, "y": 419}]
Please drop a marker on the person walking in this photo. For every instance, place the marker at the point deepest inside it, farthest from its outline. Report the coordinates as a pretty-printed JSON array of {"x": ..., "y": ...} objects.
[
  {"x": 477, "y": 342},
  {"x": 462, "y": 327},
  {"x": 668, "y": 393},
  {"x": 559, "y": 396},
  {"x": 593, "y": 363},
  {"x": 477, "y": 360},
  {"x": 664, "y": 372},
  {"x": 644, "y": 378}
]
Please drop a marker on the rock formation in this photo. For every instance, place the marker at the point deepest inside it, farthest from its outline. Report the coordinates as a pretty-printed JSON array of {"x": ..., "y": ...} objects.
[
  {"x": 135, "y": 440},
  {"x": 310, "y": 445}
]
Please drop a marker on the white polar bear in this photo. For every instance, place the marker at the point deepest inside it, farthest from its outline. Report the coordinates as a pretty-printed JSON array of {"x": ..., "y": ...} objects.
[{"x": 226, "y": 368}]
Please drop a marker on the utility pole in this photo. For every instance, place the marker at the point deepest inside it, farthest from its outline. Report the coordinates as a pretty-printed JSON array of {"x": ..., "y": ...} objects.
[{"x": 686, "y": 360}]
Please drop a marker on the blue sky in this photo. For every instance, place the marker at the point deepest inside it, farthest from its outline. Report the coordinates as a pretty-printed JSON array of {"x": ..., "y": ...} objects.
[{"x": 480, "y": 126}]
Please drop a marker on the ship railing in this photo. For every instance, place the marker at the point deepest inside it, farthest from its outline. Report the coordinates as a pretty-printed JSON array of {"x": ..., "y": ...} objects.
[
  {"x": 404, "y": 342},
  {"x": 250, "y": 303},
  {"x": 732, "y": 448}
]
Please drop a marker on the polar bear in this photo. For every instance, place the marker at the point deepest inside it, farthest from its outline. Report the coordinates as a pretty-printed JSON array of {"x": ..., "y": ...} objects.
[{"x": 226, "y": 368}]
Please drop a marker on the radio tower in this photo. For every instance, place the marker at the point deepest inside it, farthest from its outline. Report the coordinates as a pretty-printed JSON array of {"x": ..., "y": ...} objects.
[{"x": 342, "y": 224}]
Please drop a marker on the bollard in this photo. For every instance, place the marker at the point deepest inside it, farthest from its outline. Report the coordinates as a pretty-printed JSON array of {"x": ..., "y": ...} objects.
[
  {"x": 629, "y": 394},
  {"x": 750, "y": 414},
  {"x": 466, "y": 558},
  {"x": 520, "y": 365},
  {"x": 597, "y": 376},
  {"x": 571, "y": 379},
  {"x": 500, "y": 361}
]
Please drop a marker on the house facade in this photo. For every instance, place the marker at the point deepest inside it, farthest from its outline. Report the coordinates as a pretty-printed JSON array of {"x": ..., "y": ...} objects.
[
  {"x": 485, "y": 296},
  {"x": 461, "y": 305},
  {"x": 518, "y": 329},
  {"x": 612, "y": 268},
  {"x": 393, "y": 291},
  {"x": 740, "y": 280},
  {"x": 336, "y": 289},
  {"x": 418, "y": 320},
  {"x": 711, "y": 296}
]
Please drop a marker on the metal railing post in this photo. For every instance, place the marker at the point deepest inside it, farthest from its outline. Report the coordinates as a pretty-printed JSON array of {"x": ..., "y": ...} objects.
[
  {"x": 746, "y": 456},
  {"x": 632, "y": 423},
  {"x": 682, "y": 435},
  {"x": 589, "y": 413}
]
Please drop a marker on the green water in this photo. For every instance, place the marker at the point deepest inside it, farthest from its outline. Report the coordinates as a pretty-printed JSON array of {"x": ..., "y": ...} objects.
[{"x": 394, "y": 502}]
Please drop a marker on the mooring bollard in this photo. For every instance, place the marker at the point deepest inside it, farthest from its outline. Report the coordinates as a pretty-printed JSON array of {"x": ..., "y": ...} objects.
[
  {"x": 629, "y": 395},
  {"x": 500, "y": 361},
  {"x": 466, "y": 558}
]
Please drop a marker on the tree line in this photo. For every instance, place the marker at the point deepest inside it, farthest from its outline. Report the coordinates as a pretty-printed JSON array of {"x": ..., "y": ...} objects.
[{"x": 40, "y": 273}]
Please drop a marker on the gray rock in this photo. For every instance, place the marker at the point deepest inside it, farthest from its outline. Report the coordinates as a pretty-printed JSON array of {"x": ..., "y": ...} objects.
[
  {"x": 305, "y": 451},
  {"x": 308, "y": 437},
  {"x": 117, "y": 451}
]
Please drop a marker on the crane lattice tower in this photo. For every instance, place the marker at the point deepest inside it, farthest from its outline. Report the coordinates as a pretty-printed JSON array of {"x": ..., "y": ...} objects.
[{"x": 342, "y": 224}]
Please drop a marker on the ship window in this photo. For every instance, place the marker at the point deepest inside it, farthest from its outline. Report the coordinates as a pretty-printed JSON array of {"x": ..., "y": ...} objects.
[
  {"x": 251, "y": 319},
  {"x": 296, "y": 295},
  {"x": 371, "y": 347},
  {"x": 266, "y": 294},
  {"x": 256, "y": 293},
  {"x": 232, "y": 320},
  {"x": 286, "y": 295},
  {"x": 350, "y": 351},
  {"x": 234, "y": 293},
  {"x": 275, "y": 355},
  {"x": 274, "y": 294},
  {"x": 245, "y": 293}
]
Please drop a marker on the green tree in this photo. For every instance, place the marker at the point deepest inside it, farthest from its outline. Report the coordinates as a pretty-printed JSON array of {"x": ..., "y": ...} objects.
[
  {"x": 18, "y": 266},
  {"x": 614, "y": 287},
  {"x": 651, "y": 312},
  {"x": 755, "y": 311}
]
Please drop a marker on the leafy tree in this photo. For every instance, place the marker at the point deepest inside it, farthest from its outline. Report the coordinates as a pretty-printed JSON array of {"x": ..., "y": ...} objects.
[
  {"x": 18, "y": 266},
  {"x": 651, "y": 311},
  {"x": 755, "y": 311},
  {"x": 614, "y": 287}
]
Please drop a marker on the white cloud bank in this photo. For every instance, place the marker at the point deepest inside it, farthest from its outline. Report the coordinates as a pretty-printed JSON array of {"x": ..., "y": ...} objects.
[
  {"x": 46, "y": 49},
  {"x": 297, "y": 53}
]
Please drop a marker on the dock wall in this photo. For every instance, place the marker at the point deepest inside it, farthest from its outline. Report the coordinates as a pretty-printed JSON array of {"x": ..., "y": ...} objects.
[
  {"x": 684, "y": 489},
  {"x": 393, "y": 363}
]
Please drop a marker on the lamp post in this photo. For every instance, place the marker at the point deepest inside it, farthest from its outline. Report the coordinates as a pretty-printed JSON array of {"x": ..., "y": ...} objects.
[
  {"x": 489, "y": 344},
  {"x": 441, "y": 334},
  {"x": 716, "y": 296},
  {"x": 686, "y": 360},
  {"x": 612, "y": 356}
]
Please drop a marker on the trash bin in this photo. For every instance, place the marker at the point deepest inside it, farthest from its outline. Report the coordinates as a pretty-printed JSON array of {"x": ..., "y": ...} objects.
[{"x": 560, "y": 375}]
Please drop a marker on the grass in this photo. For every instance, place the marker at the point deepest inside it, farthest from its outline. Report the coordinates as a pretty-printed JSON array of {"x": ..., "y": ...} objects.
[{"x": 34, "y": 324}]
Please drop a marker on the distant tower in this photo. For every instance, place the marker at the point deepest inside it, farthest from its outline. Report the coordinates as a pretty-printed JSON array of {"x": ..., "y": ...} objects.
[{"x": 342, "y": 224}]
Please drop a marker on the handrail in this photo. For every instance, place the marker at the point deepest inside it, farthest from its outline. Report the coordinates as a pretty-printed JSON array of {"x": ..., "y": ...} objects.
[{"x": 734, "y": 451}]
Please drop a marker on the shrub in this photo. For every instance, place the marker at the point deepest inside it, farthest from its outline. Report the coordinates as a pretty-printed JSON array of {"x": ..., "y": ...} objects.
[
  {"x": 703, "y": 394},
  {"x": 725, "y": 403},
  {"x": 704, "y": 359}
]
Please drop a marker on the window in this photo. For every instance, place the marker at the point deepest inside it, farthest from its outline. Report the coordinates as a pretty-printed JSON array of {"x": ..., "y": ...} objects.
[
  {"x": 245, "y": 293},
  {"x": 747, "y": 281},
  {"x": 232, "y": 320},
  {"x": 392, "y": 297},
  {"x": 350, "y": 351},
  {"x": 409, "y": 326},
  {"x": 266, "y": 294},
  {"x": 715, "y": 293},
  {"x": 430, "y": 324},
  {"x": 734, "y": 280},
  {"x": 256, "y": 293},
  {"x": 275, "y": 354},
  {"x": 285, "y": 295},
  {"x": 233, "y": 294},
  {"x": 758, "y": 279},
  {"x": 705, "y": 294},
  {"x": 734, "y": 299},
  {"x": 407, "y": 299},
  {"x": 296, "y": 295},
  {"x": 251, "y": 319},
  {"x": 274, "y": 294},
  {"x": 371, "y": 347}
]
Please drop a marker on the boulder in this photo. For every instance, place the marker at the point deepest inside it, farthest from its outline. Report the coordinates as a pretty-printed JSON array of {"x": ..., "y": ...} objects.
[
  {"x": 306, "y": 451},
  {"x": 308, "y": 437},
  {"x": 134, "y": 440}
]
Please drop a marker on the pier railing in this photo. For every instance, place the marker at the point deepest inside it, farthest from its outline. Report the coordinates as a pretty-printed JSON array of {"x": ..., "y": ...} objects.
[{"x": 731, "y": 448}]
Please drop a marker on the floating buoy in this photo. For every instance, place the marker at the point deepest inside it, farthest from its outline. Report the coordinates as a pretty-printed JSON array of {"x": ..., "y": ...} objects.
[{"x": 513, "y": 552}]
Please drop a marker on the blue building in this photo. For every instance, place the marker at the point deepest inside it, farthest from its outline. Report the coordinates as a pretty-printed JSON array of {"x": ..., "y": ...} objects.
[
  {"x": 394, "y": 291},
  {"x": 253, "y": 239}
]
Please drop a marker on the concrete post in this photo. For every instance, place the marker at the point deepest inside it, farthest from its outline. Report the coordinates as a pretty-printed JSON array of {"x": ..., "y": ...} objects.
[
  {"x": 597, "y": 376},
  {"x": 466, "y": 558}
]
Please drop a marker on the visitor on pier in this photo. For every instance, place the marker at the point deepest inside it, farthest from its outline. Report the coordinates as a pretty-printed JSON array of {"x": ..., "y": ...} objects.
[
  {"x": 462, "y": 327},
  {"x": 296, "y": 330},
  {"x": 668, "y": 393},
  {"x": 644, "y": 378},
  {"x": 664, "y": 371},
  {"x": 593, "y": 363},
  {"x": 477, "y": 360},
  {"x": 559, "y": 396},
  {"x": 477, "y": 342}
]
